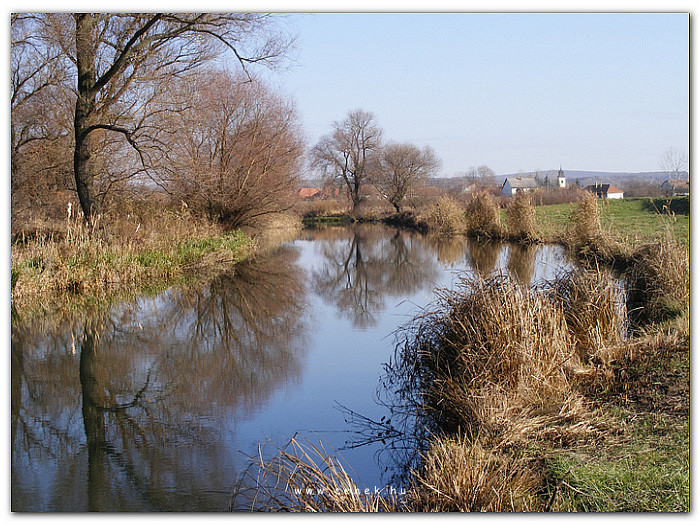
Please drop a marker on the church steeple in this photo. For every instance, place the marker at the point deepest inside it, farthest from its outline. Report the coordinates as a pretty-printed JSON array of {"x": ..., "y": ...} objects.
[{"x": 561, "y": 179}]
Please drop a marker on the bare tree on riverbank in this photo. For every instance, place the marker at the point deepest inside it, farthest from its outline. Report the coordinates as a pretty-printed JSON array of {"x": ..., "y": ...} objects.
[
  {"x": 237, "y": 152},
  {"x": 348, "y": 152},
  {"x": 401, "y": 168},
  {"x": 124, "y": 62}
]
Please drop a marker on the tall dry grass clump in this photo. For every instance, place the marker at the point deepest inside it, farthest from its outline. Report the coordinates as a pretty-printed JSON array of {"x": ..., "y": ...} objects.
[
  {"x": 658, "y": 281},
  {"x": 585, "y": 229},
  {"x": 585, "y": 234},
  {"x": 593, "y": 305},
  {"x": 446, "y": 216},
  {"x": 490, "y": 352},
  {"x": 483, "y": 217},
  {"x": 522, "y": 218},
  {"x": 461, "y": 476}
]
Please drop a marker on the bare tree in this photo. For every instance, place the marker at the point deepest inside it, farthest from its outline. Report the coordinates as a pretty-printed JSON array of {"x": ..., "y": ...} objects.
[
  {"x": 401, "y": 168},
  {"x": 238, "y": 151},
  {"x": 347, "y": 153},
  {"x": 674, "y": 161},
  {"x": 40, "y": 125},
  {"x": 123, "y": 63},
  {"x": 485, "y": 175}
]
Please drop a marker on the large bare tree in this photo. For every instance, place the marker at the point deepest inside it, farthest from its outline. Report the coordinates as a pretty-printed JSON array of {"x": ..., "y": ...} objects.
[
  {"x": 348, "y": 152},
  {"x": 674, "y": 161},
  {"x": 237, "y": 152},
  {"x": 401, "y": 168},
  {"x": 124, "y": 63}
]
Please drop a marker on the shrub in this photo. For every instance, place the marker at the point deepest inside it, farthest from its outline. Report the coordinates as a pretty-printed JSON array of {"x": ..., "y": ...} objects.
[
  {"x": 522, "y": 218},
  {"x": 446, "y": 216},
  {"x": 483, "y": 217},
  {"x": 658, "y": 281}
]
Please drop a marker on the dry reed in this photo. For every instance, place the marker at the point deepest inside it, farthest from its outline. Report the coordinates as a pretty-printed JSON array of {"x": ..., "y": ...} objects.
[
  {"x": 522, "y": 218},
  {"x": 118, "y": 253},
  {"x": 303, "y": 477},
  {"x": 445, "y": 217},
  {"x": 483, "y": 217},
  {"x": 462, "y": 476},
  {"x": 593, "y": 305},
  {"x": 585, "y": 235},
  {"x": 489, "y": 350},
  {"x": 658, "y": 281}
]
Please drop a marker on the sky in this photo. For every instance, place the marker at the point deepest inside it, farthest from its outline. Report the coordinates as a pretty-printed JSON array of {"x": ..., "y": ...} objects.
[{"x": 514, "y": 91}]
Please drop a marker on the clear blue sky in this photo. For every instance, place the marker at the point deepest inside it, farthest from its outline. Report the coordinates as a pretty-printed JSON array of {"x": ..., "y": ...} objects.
[{"x": 605, "y": 92}]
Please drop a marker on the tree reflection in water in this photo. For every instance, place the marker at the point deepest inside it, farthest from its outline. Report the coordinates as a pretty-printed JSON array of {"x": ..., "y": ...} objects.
[
  {"x": 115, "y": 410},
  {"x": 362, "y": 269}
]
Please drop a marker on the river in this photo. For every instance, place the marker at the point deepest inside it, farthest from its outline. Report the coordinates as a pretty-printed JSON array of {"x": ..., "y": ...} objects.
[{"x": 156, "y": 404}]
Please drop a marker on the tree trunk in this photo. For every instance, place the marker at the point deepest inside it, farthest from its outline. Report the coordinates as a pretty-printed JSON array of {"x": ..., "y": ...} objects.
[{"x": 84, "y": 107}]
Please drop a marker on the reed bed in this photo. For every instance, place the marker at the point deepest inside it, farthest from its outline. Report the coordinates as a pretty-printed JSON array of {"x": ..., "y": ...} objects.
[
  {"x": 489, "y": 351},
  {"x": 304, "y": 477},
  {"x": 658, "y": 281},
  {"x": 593, "y": 305},
  {"x": 586, "y": 237},
  {"x": 467, "y": 476}
]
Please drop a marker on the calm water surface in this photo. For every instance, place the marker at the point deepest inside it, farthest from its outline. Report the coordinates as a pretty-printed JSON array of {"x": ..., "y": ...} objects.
[{"x": 155, "y": 404}]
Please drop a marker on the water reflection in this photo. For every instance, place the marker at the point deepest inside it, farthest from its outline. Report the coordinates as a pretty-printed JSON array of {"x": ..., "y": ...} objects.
[
  {"x": 365, "y": 264},
  {"x": 118, "y": 410},
  {"x": 483, "y": 255},
  {"x": 521, "y": 262},
  {"x": 145, "y": 406}
]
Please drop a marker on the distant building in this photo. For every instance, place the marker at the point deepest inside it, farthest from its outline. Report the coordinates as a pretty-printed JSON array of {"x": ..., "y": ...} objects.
[
  {"x": 309, "y": 193},
  {"x": 674, "y": 188},
  {"x": 561, "y": 179},
  {"x": 513, "y": 185},
  {"x": 605, "y": 191}
]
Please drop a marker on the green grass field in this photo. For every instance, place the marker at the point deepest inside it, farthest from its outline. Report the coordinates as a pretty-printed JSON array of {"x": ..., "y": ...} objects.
[{"x": 634, "y": 220}]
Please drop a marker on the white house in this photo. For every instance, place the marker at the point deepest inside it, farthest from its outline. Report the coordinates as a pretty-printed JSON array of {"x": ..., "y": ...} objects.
[
  {"x": 513, "y": 185},
  {"x": 606, "y": 191}
]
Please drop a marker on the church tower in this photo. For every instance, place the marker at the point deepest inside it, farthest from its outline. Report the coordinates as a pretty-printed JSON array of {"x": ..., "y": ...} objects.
[{"x": 561, "y": 179}]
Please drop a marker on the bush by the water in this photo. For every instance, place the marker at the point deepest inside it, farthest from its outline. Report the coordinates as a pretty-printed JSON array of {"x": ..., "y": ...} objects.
[
  {"x": 483, "y": 217},
  {"x": 446, "y": 216},
  {"x": 522, "y": 218}
]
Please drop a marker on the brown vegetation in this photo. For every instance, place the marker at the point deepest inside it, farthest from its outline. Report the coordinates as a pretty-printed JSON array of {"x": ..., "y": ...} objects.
[
  {"x": 658, "y": 280},
  {"x": 73, "y": 262},
  {"x": 483, "y": 217},
  {"x": 522, "y": 219},
  {"x": 445, "y": 217}
]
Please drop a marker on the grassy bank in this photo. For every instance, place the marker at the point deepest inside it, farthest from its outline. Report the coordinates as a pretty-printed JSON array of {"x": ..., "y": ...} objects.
[
  {"x": 634, "y": 221},
  {"x": 69, "y": 266}
]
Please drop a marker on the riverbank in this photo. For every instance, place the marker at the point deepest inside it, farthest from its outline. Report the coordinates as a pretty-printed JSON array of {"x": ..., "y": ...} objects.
[
  {"x": 568, "y": 397},
  {"x": 632, "y": 221},
  {"x": 69, "y": 266}
]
